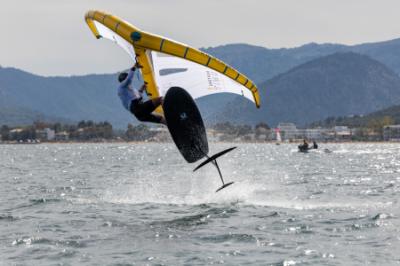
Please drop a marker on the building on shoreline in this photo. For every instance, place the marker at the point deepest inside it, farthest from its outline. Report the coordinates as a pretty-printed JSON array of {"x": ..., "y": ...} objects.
[
  {"x": 391, "y": 133},
  {"x": 225, "y": 132},
  {"x": 288, "y": 131},
  {"x": 46, "y": 134},
  {"x": 61, "y": 136}
]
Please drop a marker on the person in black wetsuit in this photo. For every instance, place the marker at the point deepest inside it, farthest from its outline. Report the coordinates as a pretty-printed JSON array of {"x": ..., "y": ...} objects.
[
  {"x": 315, "y": 145},
  {"x": 132, "y": 99},
  {"x": 304, "y": 146}
]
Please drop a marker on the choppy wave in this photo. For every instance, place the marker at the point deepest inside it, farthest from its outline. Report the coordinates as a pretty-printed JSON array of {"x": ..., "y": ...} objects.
[{"x": 120, "y": 204}]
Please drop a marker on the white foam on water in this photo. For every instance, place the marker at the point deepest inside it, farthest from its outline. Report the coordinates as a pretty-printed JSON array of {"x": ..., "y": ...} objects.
[
  {"x": 194, "y": 194},
  {"x": 243, "y": 192},
  {"x": 260, "y": 182}
]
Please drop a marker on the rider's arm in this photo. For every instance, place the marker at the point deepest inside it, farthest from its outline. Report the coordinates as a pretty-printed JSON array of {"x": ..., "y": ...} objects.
[
  {"x": 143, "y": 88},
  {"x": 128, "y": 80}
]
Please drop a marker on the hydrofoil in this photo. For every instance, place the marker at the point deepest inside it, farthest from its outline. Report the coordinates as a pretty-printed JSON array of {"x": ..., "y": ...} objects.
[{"x": 187, "y": 129}]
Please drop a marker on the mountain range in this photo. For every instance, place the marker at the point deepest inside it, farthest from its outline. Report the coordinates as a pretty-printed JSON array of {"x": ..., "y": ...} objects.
[
  {"x": 298, "y": 85},
  {"x": 261, "y": 64},
  {"x": 335, "y": 85},
  {"x": 91, "y": 97},
  {"x": 15, "y": 116}
]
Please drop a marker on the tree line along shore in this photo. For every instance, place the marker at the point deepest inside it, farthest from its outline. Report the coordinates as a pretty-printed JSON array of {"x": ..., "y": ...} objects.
[{"x": 90, "y": 131}]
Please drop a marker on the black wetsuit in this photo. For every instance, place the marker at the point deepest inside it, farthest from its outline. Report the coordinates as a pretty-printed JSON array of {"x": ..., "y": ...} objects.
[{"x": 144, "y": 111}]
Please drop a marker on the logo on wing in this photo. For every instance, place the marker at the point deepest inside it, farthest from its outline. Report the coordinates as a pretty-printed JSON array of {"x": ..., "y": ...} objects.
[{"x": 183, "y": 116}]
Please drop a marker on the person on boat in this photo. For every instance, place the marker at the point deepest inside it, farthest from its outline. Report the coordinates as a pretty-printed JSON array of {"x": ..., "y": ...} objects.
[
  {"x": 315, "y": 145},
  {"x": 132, "y": 99},
  {"x": 304, "y": 146}
]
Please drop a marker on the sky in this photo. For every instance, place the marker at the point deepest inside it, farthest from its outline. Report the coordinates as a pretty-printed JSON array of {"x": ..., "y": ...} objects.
[{"x": 50, "y": 37}]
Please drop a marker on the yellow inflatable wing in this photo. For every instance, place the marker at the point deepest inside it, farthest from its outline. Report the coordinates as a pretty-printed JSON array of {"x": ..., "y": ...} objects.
[{"x": 168, "y": 63}]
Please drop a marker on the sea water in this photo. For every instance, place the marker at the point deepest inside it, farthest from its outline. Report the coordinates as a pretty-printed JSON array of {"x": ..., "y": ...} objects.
[{"x": 141, "y": 204}]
